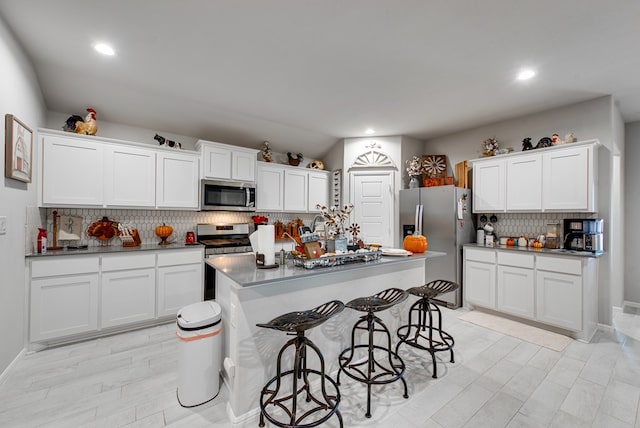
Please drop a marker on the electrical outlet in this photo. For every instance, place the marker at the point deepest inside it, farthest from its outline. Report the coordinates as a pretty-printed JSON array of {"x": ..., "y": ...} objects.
[{"x": 3, "y": 225}]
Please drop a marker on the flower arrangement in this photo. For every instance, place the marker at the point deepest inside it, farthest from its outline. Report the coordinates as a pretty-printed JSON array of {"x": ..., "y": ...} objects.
[
  {"x": 489, "y": 146},
  {"x": 414, "y": 166},
  {"x": 335, "y": 218}
]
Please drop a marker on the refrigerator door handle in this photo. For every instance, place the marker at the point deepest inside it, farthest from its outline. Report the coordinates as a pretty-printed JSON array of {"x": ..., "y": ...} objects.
[{"x": 418, "y": 220}]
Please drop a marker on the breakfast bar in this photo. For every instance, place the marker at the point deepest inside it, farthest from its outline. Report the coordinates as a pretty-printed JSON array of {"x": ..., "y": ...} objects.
[{"x": 249, "y": 296}]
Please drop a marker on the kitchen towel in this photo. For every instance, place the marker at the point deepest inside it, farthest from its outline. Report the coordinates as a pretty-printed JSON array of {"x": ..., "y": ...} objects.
[{"x": 267, "y": 243}]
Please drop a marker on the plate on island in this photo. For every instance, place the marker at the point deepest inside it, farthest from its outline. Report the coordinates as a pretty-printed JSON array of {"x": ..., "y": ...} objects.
[{"x": 398, "y": 252}]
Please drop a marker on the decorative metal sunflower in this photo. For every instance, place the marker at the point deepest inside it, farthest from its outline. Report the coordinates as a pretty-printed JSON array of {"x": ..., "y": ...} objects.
[
  {"x": 354, "y": 230},
  {"x": 434, "y": 165}
]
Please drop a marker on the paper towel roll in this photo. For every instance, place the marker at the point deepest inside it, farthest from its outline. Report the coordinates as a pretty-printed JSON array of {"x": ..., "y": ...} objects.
[
  {"x": 267, "y": 243},
  {"x": 254, "y": 241}
]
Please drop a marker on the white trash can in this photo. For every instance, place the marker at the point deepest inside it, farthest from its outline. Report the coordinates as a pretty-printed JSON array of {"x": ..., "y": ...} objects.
[{"x": 200, "y": 353}]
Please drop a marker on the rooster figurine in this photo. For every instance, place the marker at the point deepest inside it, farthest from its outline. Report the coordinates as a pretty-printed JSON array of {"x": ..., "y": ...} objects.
[{"x": 77, "y": 124}]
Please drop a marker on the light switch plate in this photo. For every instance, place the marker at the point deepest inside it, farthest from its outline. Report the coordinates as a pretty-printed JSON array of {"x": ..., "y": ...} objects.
[{"x": 3, "y": 225}]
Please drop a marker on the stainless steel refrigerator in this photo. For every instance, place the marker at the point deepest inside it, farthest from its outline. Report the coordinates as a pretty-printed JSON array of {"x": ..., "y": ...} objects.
[{"x": 447, "y": 223}]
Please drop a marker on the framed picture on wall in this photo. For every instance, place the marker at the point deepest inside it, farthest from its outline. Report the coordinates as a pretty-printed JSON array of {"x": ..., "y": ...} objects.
[{"x": 18, "y": 147}]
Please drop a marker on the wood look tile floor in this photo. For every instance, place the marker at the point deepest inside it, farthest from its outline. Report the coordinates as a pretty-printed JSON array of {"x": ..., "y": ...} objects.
[{"x": 129, "y": 380}]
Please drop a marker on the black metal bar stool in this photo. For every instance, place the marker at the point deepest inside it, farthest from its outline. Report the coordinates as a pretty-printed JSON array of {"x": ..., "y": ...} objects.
[
  {"x": 368, "y": 368},
  {"x": 423, "y": 334},
  {"x": 296, "y": 323}
]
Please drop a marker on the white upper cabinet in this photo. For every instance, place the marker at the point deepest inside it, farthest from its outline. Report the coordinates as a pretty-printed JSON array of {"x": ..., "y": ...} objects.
[
  {"x": 524, "y": 184},
  {"x": 177, "y": 180},
  {"x": 559, "y": 178},
  {"x": 130, "y": 176},
  {"x": 489, "y": 186},
  {"x": 569, "y": 179},
  {"x": 318, "y": 190},
  {"x": 296, "y": 190},
  {"x": 222, "y": 161},
  {"x": 85, "y": 171},
  {"x": 288, "y": 188},
  {"x": 72, "y": 172}
]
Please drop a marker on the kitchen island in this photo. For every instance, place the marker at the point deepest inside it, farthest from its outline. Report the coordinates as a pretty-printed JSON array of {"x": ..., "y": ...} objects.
[{"x": 249, "y": 296}]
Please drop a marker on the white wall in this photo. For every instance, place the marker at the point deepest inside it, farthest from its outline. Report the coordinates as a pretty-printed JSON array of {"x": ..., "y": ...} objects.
[
  {"x": 21, "y": 96},
  {"x": 632, "y": 212},
  {"x": 597, "y": 118},
  {"x": 55, "y": 120}
]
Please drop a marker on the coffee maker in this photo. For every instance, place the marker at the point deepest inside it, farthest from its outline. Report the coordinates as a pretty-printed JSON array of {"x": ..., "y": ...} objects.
[{"x": 584, "y": 235}]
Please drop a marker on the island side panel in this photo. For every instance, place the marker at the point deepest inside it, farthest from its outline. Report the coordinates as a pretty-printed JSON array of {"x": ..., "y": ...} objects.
[{"x": 253, "y": 350}]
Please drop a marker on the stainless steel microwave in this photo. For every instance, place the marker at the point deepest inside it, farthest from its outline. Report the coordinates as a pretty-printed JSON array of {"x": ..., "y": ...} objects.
[{"x": 227, "y": 196}]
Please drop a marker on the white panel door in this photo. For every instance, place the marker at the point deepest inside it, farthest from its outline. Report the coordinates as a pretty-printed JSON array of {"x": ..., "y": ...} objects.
[
  {"x": 179, "y": 286},
  {"x": 128, "y": 296},
  {"x": 72, "y": 171},
  {"x": 559, "y": 299},
  {"x": 515, "y": 291},
  {"x": 489, "y": 187},
  {"x": 217, "y": 162},
  {"x": 64, "y": 305},
  {"x": 524, "y": 184},
  {"x": 270, "y": 188},
  {"x": 318, "y": 190},
  {"x": 566, "y": 180},
  {"x": 295, "y": 190},
  {"x": 372, "y": 197},
  {"x": 177, "y": 181},
  {"x": 479, "y": 283},
  {"x": 130, "y": 177},
  {"x": 243, "y": 166}
]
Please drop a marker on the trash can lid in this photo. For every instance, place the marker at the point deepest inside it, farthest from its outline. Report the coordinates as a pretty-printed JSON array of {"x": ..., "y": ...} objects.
[{"x": 199, "y": 314}]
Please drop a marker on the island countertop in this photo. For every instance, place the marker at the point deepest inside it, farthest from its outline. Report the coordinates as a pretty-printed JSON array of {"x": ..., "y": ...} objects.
[{"x": 241, "y": 268}]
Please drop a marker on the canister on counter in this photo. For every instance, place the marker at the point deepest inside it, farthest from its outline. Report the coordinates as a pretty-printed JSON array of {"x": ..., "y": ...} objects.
[{"x": 480, "y": 236}]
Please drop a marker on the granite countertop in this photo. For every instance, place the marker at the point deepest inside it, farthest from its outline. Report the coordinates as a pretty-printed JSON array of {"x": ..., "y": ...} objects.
[
  {"x": 545, "y": 251},
  {"x": 117, "y": 248},
  {"x": 242, "y": 268}
]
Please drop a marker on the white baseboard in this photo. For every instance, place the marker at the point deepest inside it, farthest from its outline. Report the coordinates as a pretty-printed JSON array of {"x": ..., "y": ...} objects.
[
  {"x": 606, "y": 327},
  {"x": 242, "y": 419},
  {"x": 5, "y": 374},
  {"x": 630, "y": 304}
]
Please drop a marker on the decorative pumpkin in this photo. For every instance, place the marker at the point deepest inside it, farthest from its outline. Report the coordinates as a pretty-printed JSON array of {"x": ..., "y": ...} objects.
[
  {"x": 164, "y": 232},
  {"x": 510, "y": 242},
  {"x": 415, "y": 243},
  {"x": 537, "y": 244}
]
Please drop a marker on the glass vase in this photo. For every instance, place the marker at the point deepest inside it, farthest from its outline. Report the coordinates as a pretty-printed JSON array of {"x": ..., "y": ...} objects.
[{"x": 413, "y": 182}]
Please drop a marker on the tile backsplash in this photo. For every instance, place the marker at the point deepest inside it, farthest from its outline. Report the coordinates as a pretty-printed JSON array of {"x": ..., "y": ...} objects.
[
  {"x": 529, "y": 224},
  {"x": 144, "y": 220}
]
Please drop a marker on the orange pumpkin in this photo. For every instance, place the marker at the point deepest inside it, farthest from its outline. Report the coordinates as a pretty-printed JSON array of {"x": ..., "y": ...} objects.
[
  {"x": 415, "y": 243},
  {"x": 510, "y": 242},
  {"x": 164, "y": 232}
]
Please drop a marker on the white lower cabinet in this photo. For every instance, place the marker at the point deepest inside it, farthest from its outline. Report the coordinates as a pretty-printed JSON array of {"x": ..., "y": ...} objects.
[
  {"x": 180, "y": 281},
  {"x": 559, "y": 291},
  {"x": 74, "y": 297}
]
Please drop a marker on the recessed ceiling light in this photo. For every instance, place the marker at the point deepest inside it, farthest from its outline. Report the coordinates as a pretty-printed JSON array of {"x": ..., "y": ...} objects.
[
  {"x": 526, "y": 74},
  {"x": 104, "y": 49},
  {"x": 370, "y": 131}
]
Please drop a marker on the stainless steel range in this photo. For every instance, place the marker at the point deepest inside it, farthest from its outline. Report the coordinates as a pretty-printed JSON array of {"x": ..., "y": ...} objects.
[
  {"x": 221, "y": 239},
  {"x": 224, "y": 238}
]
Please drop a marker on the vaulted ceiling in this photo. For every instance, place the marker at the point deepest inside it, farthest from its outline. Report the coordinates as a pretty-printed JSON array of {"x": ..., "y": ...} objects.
[{"x": 304, "y": 73}]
